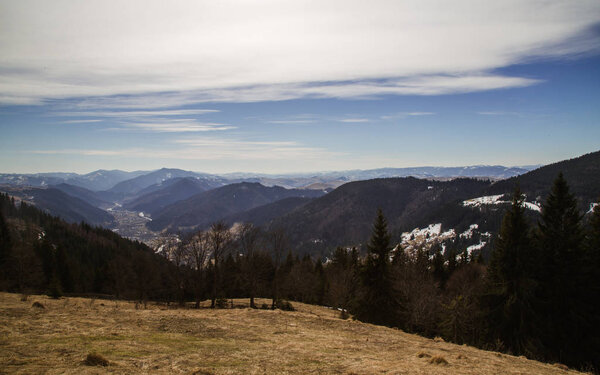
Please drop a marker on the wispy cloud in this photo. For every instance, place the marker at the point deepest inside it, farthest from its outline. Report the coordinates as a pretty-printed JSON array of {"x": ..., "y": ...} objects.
[
  {"x": 362, "y": 50},
  {"x": 125, "y": 114},
  {"x": 211, "y": 148},
  {"x": 498, "y": 113},
  {"x": 400, "y": 115},
  {"x": 223, "y": 148},
  {"x": 165, "y": 126},
  {"x": 80, "y": 121},
  {"x": 354, "y": 120},
  {"x": 291, "y": 122},
  {"x": 158, "y": 121}
]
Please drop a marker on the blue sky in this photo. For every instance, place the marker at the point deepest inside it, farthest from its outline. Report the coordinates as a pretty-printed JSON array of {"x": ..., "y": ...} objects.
[{"x": 266, "y": 86}]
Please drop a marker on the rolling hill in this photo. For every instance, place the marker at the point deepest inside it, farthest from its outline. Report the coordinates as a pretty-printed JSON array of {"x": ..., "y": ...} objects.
[
  {"x": 91, "y": 197},
  {"x": 582, "y": 174},
  {"x": 61, "y": 204},
  {"x": 264, "y": 215},
  {"x": 135, "y": 185},
  {"x": 205, "y": 208},
  {"x": 344, "y": 216},
  {"x": 158, "y": 197}
]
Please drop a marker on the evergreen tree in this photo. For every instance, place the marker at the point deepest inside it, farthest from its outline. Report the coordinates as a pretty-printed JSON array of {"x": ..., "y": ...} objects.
[
  {"x": 378, "y": 300},
  {"x": 510, "y": 297},
  {"x": 5, "y": 240},
  {"x": 592, "y": 277},
  {"x": 562, "y": 285}
]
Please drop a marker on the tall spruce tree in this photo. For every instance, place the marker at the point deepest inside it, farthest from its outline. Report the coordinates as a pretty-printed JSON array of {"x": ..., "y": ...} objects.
[
  {"x": 562, "y": 289},
  {"x": 592, "y": 276},
  {"x": 378, "y": 300},
  {"x": 511, "y": 285}
]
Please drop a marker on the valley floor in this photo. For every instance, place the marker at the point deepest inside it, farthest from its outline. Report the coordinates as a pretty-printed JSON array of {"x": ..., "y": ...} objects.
[{"x": 312, "y": 340}]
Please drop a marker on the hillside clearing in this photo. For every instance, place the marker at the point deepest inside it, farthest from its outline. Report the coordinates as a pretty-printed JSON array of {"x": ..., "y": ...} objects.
[{"x": 312, "y": 340}]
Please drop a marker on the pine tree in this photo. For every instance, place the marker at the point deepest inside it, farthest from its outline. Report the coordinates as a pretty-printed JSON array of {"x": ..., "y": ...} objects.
[
  {"x": 378, "y": 301},
  {"x": 592, "y": 280},
  {"x": 562, "y": 286},
  {"x": 5, "y": 240},
  {"x": 511, "y": 284}
]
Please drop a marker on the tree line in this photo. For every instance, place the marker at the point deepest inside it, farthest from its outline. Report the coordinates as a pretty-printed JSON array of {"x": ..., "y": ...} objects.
[{"x": 537, "y": 296}]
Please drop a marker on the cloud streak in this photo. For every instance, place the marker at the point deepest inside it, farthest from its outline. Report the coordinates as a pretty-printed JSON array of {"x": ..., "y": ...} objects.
[
  {"x": 229, "y": 51},
  {"x": 212, "y": 148}
]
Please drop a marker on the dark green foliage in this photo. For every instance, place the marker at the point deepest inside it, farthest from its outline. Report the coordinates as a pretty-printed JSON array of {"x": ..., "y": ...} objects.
[
  {"x": 510, "y": 299},
  {"x": 5, "y": 240},
  {"x": 48, "y": 255},
  {"x": 563, "y": 287},
  {"x": 377, "y": 298},
  {"x": 592, "y": 275}
]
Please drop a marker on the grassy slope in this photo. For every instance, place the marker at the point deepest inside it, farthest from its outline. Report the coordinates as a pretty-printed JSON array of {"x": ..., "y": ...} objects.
[{"x": 311, "y": 340}]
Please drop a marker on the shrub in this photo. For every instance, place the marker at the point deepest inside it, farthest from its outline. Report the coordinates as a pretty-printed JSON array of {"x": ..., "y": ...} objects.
[
  {"x": 221, "y": 303},
  {"x": 94, "y": 359},
  {"x": 438, "y": 360},
  {"x": 284, "y": 305},
  {"x": 54, "y": 289},
  {"x": 344, "y": 314},
  {"x": 38, "y": 305}
]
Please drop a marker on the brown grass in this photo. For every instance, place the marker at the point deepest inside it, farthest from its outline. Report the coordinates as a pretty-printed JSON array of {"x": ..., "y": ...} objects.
[{"x": 160, "y": 340}]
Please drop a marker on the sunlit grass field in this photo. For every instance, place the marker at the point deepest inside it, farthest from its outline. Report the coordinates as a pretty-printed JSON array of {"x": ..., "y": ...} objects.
[{"x": 57, "y": 338}]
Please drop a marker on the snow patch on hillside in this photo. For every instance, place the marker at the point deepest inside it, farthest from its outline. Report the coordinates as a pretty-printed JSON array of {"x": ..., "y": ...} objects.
[
  {"x": 469, "y": 232},
  {"x": 425, "y": 237},
  {"x": 495, "y": 199},
  {"x": 488, "y": 199}
]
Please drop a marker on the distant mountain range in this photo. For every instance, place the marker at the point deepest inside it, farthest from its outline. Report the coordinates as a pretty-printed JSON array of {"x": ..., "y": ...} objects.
[
  {"x": 318, "y": 211},
  {"x": 117, "y": 181}
]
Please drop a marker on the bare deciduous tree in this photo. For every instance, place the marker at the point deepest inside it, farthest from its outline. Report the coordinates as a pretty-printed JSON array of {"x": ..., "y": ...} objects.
[
  {"x": 277, "y": 243},
  {"x": 197, "y": 251},
  {"x": 249, "y": 241},
  {"x": 219, "y": 243}
]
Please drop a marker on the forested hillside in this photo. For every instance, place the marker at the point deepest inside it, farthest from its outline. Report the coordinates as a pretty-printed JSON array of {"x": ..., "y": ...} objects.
[
  {"x": 583, "y": 174},
  {"x": 42, "y": 253}
]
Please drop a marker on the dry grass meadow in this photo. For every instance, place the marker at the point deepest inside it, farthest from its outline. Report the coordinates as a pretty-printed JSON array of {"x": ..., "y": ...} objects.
[{"x": 57, "y": 339}]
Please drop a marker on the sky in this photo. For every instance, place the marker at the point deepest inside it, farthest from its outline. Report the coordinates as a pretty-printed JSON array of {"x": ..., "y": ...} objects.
[{"x": 296, "y": 86}]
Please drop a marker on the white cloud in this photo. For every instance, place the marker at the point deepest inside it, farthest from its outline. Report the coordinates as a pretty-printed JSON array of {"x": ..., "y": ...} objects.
[
  {"x": 211, "y": 148},
  {"x": 186, "y": 125},
  {"x": 124, "y": 114},
  {"x": 192, "y": 51},
  {"x": 291, "y": 122},
  {"x": 400, "y": 115},
  {"x": 354, "y": 120},
  {"x": 498, "y": 113},
  {"x": 80, "y": 121},
  {"x": 163, "y": 121}
]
